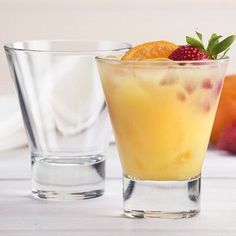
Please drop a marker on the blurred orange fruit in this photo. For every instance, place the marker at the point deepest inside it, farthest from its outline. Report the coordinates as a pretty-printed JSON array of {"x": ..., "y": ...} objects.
[
  {"x": 156, "y": 49},
  {"x": 226, "y": 112}
]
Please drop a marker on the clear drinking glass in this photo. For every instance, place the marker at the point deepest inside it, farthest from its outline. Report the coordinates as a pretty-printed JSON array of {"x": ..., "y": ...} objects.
[
  {"x": 65, "y": 115},
  {"x": 162, "y": 114}
]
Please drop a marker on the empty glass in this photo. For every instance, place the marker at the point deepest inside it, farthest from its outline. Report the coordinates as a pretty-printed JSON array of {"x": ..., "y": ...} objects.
[{"x": 64, "y": 113}]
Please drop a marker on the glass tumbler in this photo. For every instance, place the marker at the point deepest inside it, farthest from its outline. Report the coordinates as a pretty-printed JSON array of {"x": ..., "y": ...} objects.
[
  {"x": 162, "y": 114},
  {"x": 64, "y": 113}
]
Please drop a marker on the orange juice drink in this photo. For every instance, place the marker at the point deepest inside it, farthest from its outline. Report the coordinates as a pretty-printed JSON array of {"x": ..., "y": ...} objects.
[
  {"x": 162, "y": 114},
  {"x": 162, "y": 99}
]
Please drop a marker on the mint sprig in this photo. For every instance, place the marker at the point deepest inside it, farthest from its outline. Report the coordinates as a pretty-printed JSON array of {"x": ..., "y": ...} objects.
[
  {"x": 194, "y": 42},
  {"x": 215, "y": 47},
  {"x": 212, "y": 42}
]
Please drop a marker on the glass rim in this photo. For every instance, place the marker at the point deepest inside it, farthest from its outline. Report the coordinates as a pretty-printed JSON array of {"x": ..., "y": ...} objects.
[
  {"x": 164, "y": 62},
  {"x": 12, "y": 47}
]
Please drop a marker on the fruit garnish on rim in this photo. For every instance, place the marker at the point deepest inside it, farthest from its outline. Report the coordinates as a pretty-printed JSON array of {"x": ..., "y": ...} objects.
[
  {"x": 150, "y": 50},
  {"x": 195, "y": 50},
  {"x": 217, "y": 48}
]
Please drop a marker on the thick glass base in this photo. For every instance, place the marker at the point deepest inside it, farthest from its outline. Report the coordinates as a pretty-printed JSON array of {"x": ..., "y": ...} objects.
[
  {"x": 68, "y": 178},
  {"x": 161, "y": 199}
]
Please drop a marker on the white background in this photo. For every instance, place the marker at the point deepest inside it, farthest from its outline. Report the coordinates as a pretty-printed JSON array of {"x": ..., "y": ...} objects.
[{"x": 133, "y": 21}]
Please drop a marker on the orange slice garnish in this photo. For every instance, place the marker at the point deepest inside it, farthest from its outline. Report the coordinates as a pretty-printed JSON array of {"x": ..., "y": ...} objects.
[{"x": 150, "y": 50}]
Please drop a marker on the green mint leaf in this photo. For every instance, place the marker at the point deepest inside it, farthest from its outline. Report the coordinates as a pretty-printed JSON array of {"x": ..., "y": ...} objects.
[
  {"x": 224, "y": 54},
  {"x": 215, "y": 47},
  {"x": 194, "y": 42},
  {"x": 214, "y": 35},
  {"x": 199, "y": 35},
  {"x": 223, "y": 45},
  {"x": 212, "y": 42}
]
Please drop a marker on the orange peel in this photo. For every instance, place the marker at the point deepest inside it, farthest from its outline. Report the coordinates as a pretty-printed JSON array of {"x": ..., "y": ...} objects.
[{"x": 150, "y": 50}]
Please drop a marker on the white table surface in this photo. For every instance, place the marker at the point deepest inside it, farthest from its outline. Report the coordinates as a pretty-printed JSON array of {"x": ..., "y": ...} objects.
[{"x": 20, "y": 214}]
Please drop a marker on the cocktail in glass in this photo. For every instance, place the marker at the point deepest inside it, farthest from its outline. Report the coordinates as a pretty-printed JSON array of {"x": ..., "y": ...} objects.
[{"x": 162, "y": 113}]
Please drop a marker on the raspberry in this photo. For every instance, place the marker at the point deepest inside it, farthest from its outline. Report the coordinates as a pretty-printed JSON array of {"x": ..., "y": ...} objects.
[
  {"x": 188, "y": 53},
  {"x": 227, "y": 140}
]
